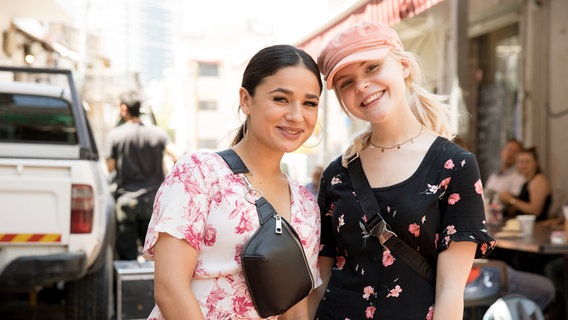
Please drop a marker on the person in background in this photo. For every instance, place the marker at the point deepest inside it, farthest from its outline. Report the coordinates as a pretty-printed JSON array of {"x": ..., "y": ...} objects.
[
  {"x": 507, "y": 178},
  {"x": 135, "y": 153},
  {"x": 201, "y": 218},
  {"x": 535, "y": 196},
  {"x": 428, "y": 188},
  {"x": 313, "y": 185}
]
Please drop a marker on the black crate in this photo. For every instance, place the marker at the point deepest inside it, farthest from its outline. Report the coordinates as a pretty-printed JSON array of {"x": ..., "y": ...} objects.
[{"x": 134, "y": 289}]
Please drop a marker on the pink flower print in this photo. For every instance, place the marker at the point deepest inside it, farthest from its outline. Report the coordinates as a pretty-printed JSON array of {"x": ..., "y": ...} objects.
[
  {"x": 367, "y": 292},
  {"x": 479, "y": 187},
  {"x": 365, "y": 218},
  {"x": 444, "y": 184},
  {"x": 414, "y": 229},
  {"x": 245, "y": 224},
  {"x": 451, "y": 229},
  {"x": 210, "y": 235},
  {"x": 340, "y": 222},
  {"x": 449, "y": 164},
  {"x": 370, "y": 312},
  {"x": 395, "y": 292},
  {"x": 483, "y": 248},
  {"x": 423, "y": 220},
  {"x": 241, "y": 305},
  {"x": 388, "y": 258},
  {"x": 462, "y": 162},
  {"x": 340, "y": 262},
  {"x": 430, "y": 314},
  {"x": 335, "y": 181},
  {"x": 454, "y": 198}
]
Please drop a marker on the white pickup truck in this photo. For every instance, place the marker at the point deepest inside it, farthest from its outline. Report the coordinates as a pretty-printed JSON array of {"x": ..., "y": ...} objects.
[{"x": 57, "y": 220}]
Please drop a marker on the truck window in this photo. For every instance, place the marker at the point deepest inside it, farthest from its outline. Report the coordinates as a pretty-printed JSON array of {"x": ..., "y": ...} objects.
[{"x": 37, "y": 119}]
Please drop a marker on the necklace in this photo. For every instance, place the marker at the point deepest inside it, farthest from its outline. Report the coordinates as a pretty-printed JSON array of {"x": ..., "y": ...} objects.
[{"x": 411, "y": 140}]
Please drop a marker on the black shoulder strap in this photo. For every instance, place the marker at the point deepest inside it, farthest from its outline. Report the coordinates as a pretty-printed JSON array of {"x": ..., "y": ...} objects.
[
  {"x": 264, "y": 208},
  {"x": 233, "y": 160},
  {"x": 378, "y": 227}
]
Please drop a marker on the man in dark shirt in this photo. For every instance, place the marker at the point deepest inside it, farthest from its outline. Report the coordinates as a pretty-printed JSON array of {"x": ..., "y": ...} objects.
[{"x": 136, "y": 152}]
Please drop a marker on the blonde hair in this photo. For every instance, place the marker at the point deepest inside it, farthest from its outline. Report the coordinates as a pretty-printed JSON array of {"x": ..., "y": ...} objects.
[{"x": 430, "y": 109}]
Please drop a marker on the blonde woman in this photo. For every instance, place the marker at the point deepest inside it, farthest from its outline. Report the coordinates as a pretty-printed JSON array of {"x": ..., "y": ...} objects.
[{"x": 428, "y": 189}]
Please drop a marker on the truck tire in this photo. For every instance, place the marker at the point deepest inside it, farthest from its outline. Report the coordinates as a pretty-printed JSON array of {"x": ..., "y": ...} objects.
[{"x": 91, "y": 298}]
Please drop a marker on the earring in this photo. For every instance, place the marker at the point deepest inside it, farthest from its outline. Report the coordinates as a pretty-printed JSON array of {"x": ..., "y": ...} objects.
[{"x": 317, "y": 135}]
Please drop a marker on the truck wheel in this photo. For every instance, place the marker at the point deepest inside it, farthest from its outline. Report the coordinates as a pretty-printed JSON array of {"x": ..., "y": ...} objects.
[{"x": 90, "y": 298}]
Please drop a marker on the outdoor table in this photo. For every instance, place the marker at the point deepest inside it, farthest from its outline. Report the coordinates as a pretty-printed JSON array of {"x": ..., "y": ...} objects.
[{"x": 538, "y": 242}]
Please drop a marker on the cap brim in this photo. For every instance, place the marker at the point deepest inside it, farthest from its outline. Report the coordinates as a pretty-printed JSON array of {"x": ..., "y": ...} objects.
[{"x": 373, "y": 54}]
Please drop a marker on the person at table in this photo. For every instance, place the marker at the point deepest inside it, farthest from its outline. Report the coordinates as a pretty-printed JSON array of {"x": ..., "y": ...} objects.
[
  {"x": 507, "y": 177},
  {"x": 535, "y": 196}
]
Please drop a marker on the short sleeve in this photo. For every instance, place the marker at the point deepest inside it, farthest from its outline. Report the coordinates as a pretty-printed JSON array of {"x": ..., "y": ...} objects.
[
  {"x": 182, "y": 202},
  {"x": 463, "y": 215},
  {"x": 328, "y": 242}
]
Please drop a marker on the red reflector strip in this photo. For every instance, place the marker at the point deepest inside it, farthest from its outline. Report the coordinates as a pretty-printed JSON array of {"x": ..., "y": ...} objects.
[{"x": 30, "y": 237}]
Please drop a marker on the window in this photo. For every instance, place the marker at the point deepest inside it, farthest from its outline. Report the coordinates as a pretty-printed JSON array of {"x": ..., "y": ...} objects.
[
  {"x": 207, "y": 105},
  {"x": 208, "y": 69},
  {"x": 27, "y": 118}
]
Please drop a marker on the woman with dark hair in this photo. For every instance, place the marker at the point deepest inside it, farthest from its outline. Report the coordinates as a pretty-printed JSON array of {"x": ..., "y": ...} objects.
[
  {"x": 536, "y": 194},
  {"x": 201, "y": 218}
]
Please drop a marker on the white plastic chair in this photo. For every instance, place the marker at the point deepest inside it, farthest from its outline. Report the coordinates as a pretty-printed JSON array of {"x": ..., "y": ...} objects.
[{"x": 514, "y": 307}]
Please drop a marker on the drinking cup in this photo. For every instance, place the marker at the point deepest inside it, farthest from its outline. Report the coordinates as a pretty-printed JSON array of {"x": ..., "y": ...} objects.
[{"x": 527, "y": 223}]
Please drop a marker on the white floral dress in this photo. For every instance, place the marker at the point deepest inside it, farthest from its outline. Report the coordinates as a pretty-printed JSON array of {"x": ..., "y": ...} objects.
[{"x": 202, "y": 201}]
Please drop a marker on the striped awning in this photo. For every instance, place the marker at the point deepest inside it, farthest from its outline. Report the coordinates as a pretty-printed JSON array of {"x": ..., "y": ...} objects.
[{"x": 387, "y": 11}]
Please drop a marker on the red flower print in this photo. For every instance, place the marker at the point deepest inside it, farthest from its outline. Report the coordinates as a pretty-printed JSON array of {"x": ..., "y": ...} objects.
[
  {"x": 449, "y": 164},
  {"x": 479, "y": 186},
  {"x": 367, "y": 292},
  {"x": 218, "y": 197},
  {"x": 241, "y": 305},
  {"x": 483, "y": 248},
  {"x": 414, "y": 229},
  {"x": 430, "y": 314},
  {"x": 370, "y": 312},
  {"x": 388, "y": 258},
  {"x": 209, "y": 235},
  {"x": 329, "y": 212},
  {"x": 245, "y": 224},
  {"x": 340, "y": 262},
  {"x": 454, "y": 198},
  {"x": 394, "y": 292},
  {"x": 444, "y": 184}
]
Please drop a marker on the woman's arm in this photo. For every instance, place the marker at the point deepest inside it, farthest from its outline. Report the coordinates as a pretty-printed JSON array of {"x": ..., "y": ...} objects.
[
  {"x": 454, "y": 265},
  {"x": 175, "y": 262},
  {"x": 539, "y": 189},
  {"x": 325, "y": 265}
]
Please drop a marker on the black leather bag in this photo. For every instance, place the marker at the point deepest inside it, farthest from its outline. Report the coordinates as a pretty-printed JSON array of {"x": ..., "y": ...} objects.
[{"x": 276, "y": 269}]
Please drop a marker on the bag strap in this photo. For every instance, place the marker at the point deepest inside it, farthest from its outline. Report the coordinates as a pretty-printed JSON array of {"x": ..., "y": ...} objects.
[
  {"x": 263, "y": 207},
  {"x": 378, "y": 227}
]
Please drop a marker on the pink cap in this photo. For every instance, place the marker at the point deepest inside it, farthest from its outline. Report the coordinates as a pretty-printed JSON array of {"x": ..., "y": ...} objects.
[{"x": 363, "y": 41}]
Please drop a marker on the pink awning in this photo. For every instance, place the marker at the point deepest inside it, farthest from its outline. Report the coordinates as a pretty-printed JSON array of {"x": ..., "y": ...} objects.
[{"x": 387, "y": 11}]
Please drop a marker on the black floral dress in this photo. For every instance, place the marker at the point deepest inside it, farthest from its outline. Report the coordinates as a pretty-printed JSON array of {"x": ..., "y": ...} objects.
[{"x": 441, "y": 202}]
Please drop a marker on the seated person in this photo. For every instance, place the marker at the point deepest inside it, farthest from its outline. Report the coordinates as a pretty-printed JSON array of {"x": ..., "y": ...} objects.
[{"x": 536, "y": 193}]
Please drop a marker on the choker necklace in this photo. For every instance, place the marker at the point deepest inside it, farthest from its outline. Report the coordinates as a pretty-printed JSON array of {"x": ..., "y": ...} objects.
[{"x": 411, "y": 140}]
